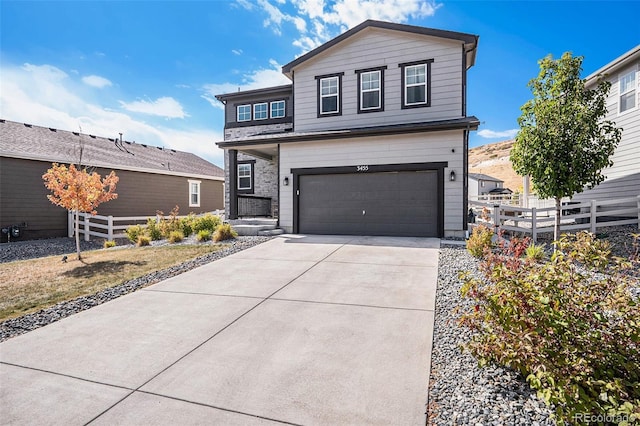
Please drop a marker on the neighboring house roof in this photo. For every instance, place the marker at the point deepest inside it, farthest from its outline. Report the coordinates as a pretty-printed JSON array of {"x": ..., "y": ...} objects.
[
  {"x": 30, "y": 142},
  {"x": 470, "y": 40},
  {"x": 471, "y": 123},
  {"x": 613, "y": 66},
  {"x": 501, "y": 191},
  {"x": 247, "y": 93},
  {"x": 480, "y": 176}
]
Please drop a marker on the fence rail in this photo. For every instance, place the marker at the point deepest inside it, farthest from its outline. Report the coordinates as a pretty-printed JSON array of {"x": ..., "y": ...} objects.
[
  {"x": 588, "y": 215},
  {"x": 109, "y": 227}
]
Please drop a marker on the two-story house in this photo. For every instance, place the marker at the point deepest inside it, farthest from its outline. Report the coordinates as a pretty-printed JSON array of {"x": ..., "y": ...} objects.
[
  {"x": 623, "y": 106},
  {"x": 481, "y": 184},
  {"x": 370, "y": 138}
]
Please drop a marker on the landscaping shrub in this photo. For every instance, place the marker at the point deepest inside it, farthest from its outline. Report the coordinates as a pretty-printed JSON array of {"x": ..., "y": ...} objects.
[
  {"x": 169, "y": 224},
  {"x": 480, "y": 240},
  {"x": 208, "y": 221},
  {"x": 153, "y": 230},
  {"x": 143, "y": 240},
  {"x": 175, "y": 236},
  {"x": 535, "y": 252},
  {"x": 224, "y": 232},
  {"x": 570, "y": 326},
  {"x": 109, "y": 243},
  {"x": 203, "y": 235},
  {"x": 133, "y": 232},
  {"x": 186, "y": 224}
]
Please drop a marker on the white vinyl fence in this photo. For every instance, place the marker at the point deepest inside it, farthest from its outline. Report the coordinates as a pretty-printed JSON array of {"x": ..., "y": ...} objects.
[
  {"x": 109, "y": 227},
  {"x": 533, "y": 221}
]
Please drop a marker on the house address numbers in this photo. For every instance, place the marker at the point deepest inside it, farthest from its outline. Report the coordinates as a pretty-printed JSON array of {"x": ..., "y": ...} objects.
[{"x": 362, "y": 168}]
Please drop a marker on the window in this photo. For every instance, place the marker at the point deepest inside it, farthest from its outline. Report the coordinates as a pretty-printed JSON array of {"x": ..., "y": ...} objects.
[
  {"x": 260, "y": 111},
  {"x": 416, "y": 84},
  {"x": 627, "y": 91},
  {"x": 277, "y": 109},
  {"x": 244, "y": 112},
  {"x": 245, "y": 177},
  {"x": 194, "y": 193},
  {"x": 371, "y": 89},
  {"x": 482, "y": 183},
  {"x": 329, "y": 94}
]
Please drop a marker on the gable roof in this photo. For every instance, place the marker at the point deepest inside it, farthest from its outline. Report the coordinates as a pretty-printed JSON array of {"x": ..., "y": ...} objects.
[
  {"x": 480, "y": 176},
  {"x": 613, "y": 66},
  {"x": 470, "y": 41},
  {"x": 30, "y": 142}
]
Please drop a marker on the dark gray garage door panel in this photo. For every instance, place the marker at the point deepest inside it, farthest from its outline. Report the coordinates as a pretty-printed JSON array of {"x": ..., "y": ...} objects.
[{"x": 393, "y": 203}]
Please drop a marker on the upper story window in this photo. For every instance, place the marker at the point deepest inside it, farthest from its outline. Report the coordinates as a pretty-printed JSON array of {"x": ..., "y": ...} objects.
[
  {"x": 245, "y": 177},
  {"x": 329, "y": 94},
  {"x": 244, "y": 112},
  {"x": 194, "y": 193},
  {"x": 260, "y": 111},
  {"x": 278, "y": 109},
  {"x": 371, "y": 89},
  {"x": 416, "y": 84},
  {"x": 627, "y": 91}
]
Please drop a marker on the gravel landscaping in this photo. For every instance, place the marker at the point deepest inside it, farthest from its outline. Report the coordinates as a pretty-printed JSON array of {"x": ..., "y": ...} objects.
[
  {"x": 58, "y": 246},
  {"x": 461, "y": 393}
]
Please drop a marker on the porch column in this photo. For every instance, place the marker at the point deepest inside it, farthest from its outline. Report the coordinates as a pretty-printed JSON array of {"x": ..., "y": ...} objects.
[{"x": 233, "y": 184}]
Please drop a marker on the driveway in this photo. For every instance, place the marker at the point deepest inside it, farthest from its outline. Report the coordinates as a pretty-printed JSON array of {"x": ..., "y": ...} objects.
[{"x": 298, "y": 330}]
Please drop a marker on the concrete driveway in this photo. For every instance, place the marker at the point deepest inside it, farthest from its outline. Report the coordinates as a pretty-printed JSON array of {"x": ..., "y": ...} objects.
[{"x": 298, "y": 330}]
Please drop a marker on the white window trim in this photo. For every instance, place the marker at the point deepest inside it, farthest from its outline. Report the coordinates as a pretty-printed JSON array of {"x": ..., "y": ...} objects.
[
  {"x": 240, "y": 188},
  {"x": 407, "y": 85},
  {"x": 363, "y": 91},
  {"x": 337, "y": 95},
  {"x": 635, "y": 89},
  {"x": 197, "y": 182},
  {"x": 284, "y": 109},
  {"x": 238, "y": 113},
  {"x": 255, "y": 106}
]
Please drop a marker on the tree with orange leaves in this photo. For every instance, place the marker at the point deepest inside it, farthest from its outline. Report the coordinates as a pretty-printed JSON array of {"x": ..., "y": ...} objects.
[{"x": 79, "y": 191}]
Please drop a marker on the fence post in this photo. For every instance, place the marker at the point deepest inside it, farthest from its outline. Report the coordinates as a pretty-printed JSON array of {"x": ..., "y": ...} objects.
[
  {"x": 158, "y": 219},
  {"x": 496, "y": 218},
  {"x": 110, "y": 228},
  {"x": 593, "y": 217},
  {"x": 87, "y": 237},
  {"x": 534, "y": 226},
  {"x": 638, "y": 211},
  {"x": 70, "y": 227}
]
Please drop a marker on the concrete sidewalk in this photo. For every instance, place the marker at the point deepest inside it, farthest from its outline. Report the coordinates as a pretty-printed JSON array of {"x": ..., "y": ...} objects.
[{"x": 299, "y": 330}]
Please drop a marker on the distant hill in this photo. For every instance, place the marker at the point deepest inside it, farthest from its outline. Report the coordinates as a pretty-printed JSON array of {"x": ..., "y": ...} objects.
[{"x": 493, "y": 160}]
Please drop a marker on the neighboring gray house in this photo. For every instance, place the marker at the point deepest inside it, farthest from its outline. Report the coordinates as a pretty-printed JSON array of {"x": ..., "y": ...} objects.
[
  {"x": 481, "y": 184},
  {"x": 151, "y": 178},
  {"x": 371, "y": 137},
  {"x": 623, "y": 178}
]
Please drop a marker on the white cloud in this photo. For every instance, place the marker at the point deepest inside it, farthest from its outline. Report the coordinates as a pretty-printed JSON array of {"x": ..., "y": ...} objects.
[
  {"x": 264, "y": 77},
  {"x": 164, "y": 107},
  {"x": 492, "y": 134},
  {"x": 46, "y": 96},
  {"x": 237, "y": 51},
  {"x": 96, "y": 81}
]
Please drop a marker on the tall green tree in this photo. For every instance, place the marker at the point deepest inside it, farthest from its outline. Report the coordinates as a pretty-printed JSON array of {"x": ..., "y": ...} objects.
[{"x": 564, "y": 142}]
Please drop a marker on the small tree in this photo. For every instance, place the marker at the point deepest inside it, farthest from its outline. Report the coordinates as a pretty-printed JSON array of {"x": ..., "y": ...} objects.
[
  {"x": 564, "y": 141},
  {"x": 79, "y": 191}
]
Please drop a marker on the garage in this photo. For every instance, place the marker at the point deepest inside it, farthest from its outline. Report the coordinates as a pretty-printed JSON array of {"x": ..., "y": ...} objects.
[{"x": 373, "y": 201}]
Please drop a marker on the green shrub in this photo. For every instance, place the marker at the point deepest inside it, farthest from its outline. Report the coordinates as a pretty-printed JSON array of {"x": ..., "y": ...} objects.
[
  {"x": 176, "y": 236},
  {"x": 153, "y": 230},
  {"x": 208, "y": 221},
  {"x": 535, "y": 252},
  {"x": 109, "y": 243},
  {"x": 186, "y": 224},
  {"x": 224, "y": 232},
  {"x": 143, "y": 240},
  {"x": 480, "y": 241},
  {"x": 169, "y": 224},
  {"x": 570, "y": 326},
  {"x": 133, "y": 232},
  {"x": 203, "y": 235}
]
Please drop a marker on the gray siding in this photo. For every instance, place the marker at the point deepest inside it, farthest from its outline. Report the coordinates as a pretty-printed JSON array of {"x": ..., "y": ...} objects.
[
  {"x": 411, "y": 148},
  {"x": 623, "y": 178},
  {"x": 374, "y": 47},
  {"x": 23, "y": 197}
]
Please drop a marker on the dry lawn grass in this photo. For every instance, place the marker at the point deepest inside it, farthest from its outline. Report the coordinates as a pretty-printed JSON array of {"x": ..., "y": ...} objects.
[{"x": 30, "y": 285}]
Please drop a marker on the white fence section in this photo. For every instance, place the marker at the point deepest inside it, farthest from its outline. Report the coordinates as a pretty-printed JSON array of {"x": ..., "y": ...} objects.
[
  {"x": 516, "y": 199},
  {"x": 110, "y": 227},
  {"x": 533, "y": 221}
]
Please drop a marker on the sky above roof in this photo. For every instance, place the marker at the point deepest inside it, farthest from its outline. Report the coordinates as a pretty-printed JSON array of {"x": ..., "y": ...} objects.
[{"x": 151, "y": 69}]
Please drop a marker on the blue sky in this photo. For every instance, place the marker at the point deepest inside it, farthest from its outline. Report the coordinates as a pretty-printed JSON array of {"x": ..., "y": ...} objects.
[{"x": 150, "y": 69}]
